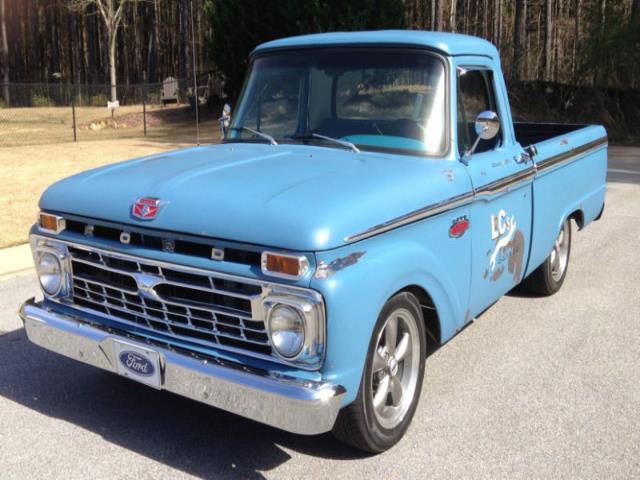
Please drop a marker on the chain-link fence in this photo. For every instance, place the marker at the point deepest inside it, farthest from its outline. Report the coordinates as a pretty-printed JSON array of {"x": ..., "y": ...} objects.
[{"x": 52, "y": 113}]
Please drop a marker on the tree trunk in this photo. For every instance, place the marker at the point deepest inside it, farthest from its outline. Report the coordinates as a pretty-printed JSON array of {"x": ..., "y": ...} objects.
[
  {"x": 452, "y": 15},
  {"x": 548, "y": 40},
  {"x": 496, "y": 18},
  {"x": 635, "y": 12},
  {"x": 112, "y": 65},
  {"x": 576, "y": 40},
  {"x": 5, "y": 53},
  {"x": 433, "y": 14},
  {"x": 519, "y": 38},
  {"x": 439, "y": 6},
  {"x": 603, "y": 26}
]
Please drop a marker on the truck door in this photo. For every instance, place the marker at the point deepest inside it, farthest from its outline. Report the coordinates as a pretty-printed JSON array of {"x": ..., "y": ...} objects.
[{"x": 501, "y": 212}]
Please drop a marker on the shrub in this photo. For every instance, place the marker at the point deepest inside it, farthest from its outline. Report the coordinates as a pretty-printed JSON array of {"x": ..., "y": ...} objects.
[
  {"x": 153, "y": 98},
  {"x": 38, "y": 100},
  {"x": 99, "y": 100}
]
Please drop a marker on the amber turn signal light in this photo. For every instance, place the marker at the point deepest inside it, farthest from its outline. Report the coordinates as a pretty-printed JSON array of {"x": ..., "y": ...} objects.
[
  {"x": 286, "y": 266},
  {"x": 51, "y": 223}
]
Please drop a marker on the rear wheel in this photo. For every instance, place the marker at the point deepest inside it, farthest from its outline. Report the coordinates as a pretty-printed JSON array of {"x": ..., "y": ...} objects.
[
  {"x": 391, "y": 381},
  {"x": 549, "y": 277}
]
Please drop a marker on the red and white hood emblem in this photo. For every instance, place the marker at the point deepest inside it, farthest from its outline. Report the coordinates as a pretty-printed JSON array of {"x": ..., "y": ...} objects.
[{"x": 146, "y": 208}]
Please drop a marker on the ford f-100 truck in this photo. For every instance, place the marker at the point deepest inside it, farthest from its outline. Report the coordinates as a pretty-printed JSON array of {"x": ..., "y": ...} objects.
[{"x": 371, "y": 197}]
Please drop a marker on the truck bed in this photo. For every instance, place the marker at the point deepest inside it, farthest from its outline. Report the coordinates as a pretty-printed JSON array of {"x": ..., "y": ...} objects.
[{"x": 531, "y": 133}]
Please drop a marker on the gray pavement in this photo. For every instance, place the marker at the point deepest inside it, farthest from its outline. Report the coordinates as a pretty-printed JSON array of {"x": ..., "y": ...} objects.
[{"x": 535, "y": 388}]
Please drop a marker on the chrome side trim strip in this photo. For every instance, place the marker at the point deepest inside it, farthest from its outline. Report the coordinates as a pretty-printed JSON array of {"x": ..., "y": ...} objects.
[
  {"x": 296, "y": 405},
  {"x": 568, "y": 156},
  {"x": 493, "y": 188},
  {"x": 420, "y": 214},
  {"x": 455, "y": 202},
  {"x": 506, "y": 183}
]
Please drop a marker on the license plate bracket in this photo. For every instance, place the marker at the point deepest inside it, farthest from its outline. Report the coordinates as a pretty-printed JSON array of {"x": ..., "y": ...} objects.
[{"x": 138, "y": 363}]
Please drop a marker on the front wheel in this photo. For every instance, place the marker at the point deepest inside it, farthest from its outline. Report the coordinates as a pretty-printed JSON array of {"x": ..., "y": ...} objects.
[
  {"x": 391, "y": 381},
  {"x": 549, "y": 277}
]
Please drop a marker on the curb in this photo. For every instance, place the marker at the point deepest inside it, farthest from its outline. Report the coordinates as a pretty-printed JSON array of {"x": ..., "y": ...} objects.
[{"x": 15, "y": 260}]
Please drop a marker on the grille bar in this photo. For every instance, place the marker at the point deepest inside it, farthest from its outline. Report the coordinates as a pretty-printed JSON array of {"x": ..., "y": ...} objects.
[
  {"x": 212, "y": 287},
  {"x": 223, "y": 311},
  {"x": 85, "y": 293},
  {"x": 205, "y": 308}
]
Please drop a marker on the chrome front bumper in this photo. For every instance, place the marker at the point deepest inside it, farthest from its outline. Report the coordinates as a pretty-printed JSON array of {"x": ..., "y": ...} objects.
[{"x": 298, "y": 406}]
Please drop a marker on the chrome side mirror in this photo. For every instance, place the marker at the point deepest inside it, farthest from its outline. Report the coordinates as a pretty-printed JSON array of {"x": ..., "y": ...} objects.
[
  {"x": 487, "y": 127},
  {"x": 225, "y": 120}
]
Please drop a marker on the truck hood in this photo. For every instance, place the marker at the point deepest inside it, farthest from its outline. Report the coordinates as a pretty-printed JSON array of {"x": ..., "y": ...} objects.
[{"x": 293, "y": 197}]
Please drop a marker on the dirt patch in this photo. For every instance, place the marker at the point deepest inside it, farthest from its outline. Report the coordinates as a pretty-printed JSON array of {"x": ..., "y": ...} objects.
[{"x": 49, "y": 125}]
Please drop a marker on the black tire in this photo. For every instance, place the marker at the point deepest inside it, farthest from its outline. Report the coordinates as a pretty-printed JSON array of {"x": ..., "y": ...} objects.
[
  {"x": 545, "y": 279},
  {"x": 358, "y": 424}
]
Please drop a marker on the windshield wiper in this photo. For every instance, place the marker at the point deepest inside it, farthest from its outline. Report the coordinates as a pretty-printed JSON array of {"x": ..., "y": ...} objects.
[
  {"x": 337, "y": 141},
  {"x": 260, "y": 134}
]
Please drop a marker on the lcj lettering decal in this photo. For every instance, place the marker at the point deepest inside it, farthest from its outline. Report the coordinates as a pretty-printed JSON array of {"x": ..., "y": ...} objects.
[
  {"x": 508, "y": 251},
  {"x": 501, "y": 224}
]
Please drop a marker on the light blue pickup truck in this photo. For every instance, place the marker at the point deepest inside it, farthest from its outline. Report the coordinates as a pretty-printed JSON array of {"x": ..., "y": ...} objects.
[{"x": 371, "y": 197}]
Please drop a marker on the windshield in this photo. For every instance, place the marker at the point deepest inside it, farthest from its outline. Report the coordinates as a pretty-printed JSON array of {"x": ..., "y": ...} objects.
[{"x": 375, "y": 99}]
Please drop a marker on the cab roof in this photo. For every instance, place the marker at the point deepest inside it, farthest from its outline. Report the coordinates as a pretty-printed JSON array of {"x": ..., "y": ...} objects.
[{"x": 445, "y": 43}]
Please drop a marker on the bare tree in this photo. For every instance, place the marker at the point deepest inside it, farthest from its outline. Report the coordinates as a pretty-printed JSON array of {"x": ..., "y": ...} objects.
[
  {"x": 5, "y": 52},
  {"x": 112, "y": 12}
]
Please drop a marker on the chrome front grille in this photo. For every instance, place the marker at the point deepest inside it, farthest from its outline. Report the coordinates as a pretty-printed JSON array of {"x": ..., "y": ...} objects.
[{"x": 191, "y": 305}]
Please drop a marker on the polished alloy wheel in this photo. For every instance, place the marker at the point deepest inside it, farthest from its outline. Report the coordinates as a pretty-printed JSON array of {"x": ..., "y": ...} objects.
[
  {"x": 396, "y": 364},
  {"x": 559, "y": 257}
]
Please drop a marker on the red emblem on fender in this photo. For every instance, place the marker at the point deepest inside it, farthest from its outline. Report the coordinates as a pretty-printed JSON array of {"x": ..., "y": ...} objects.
[
  {"x": 459, "y": 226},
  {"x": 146, "y": 208}
]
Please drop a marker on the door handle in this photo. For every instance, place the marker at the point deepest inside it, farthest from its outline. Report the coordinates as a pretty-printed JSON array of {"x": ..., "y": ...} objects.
[
  {"x": 526, "y": 156},
  {"x": 523, "y": 158}
]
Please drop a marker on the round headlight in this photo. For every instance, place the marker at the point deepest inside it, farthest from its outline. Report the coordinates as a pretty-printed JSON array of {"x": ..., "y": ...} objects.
[
  {"x": 50, "y": 273},
  {"x": 286, "y": 328}
]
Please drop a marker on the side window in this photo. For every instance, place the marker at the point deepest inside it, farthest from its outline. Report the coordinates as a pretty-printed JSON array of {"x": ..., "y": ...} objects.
[{"x": 475, "y": 95}]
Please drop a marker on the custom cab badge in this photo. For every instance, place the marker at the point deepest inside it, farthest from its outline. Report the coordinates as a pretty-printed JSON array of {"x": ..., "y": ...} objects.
[
  {"x": 136, "y": 363},
  {"x": 459, "y": 226},
  {"x": 146, "y": 208}
]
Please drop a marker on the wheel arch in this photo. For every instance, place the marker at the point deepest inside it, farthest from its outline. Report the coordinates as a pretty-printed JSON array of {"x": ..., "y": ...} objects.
[
  {"x": 429, "y": 314},
  {"x": 578, "y": 217}
]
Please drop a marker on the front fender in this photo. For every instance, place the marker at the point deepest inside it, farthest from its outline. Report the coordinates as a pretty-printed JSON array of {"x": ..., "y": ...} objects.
[{"x": 361, "y": 277}]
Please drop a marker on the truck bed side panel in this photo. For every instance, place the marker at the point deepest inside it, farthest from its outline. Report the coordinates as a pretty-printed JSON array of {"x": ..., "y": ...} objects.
[{"x": 571, "y": 178}]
